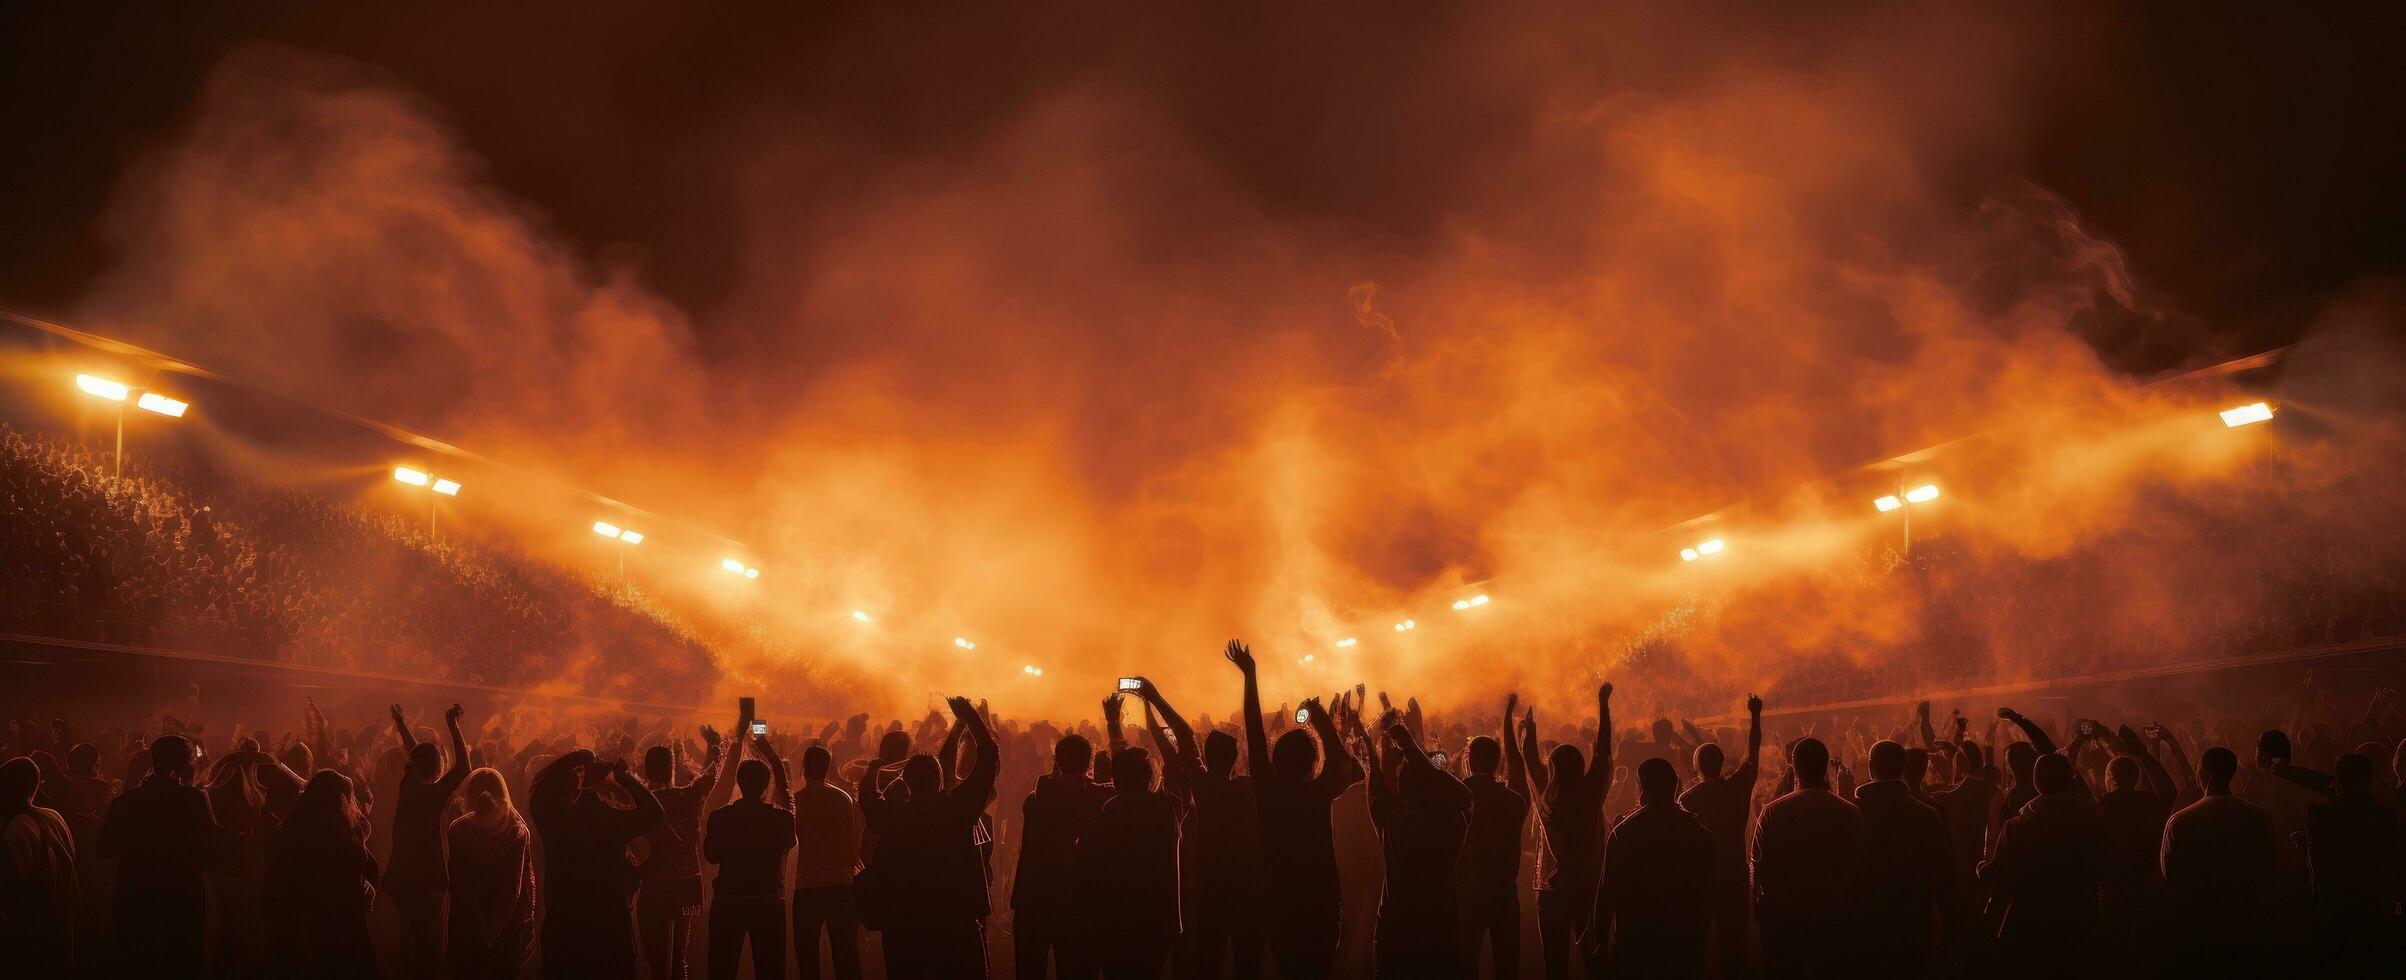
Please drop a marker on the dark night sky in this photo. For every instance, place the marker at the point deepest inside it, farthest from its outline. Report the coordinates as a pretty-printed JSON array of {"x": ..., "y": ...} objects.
[{"x": 2248, "y": 158}]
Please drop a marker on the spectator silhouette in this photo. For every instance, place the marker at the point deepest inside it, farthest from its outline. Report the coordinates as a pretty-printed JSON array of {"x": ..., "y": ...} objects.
[
  {"x": 671, "y": 891},
  {"x": 2218, "y": 865},
  {"x": 1724, "y": 805},
  {"x": 320, "y": 883},
  {"x": 827, "y": 853},
  {"x": 492, "y": 878},
  {"x": 417, "y": 878},
  {"x": 2049, "y": 862},
  {"x": 1421, "y": 814},
  {"x": 1129, "y": 851},
  {"x": 1654, "y": 907},
  {"x": 927, "y": 880},
  {"x": 1570, "y": 810},
  {"x": 1220, "y": 867},
  {"x": 1294, "y": 785},
  {"x": 748, "y": 839},
  {"x": 588, "y": 923},
  {"x": 1907, "y": 879},
  {"x": 38, "y": 884},
  {"x": 1047, "y": 912},
  {"x": 2352, "y": 852},
  {"x": 162, "y": 836},
  {"x": 1807, "y": 849},
  {"x": 1488, "y": 885}
]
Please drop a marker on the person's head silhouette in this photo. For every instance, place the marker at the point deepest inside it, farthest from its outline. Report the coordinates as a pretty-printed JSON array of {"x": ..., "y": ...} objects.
[
  {"x": 2272, "y": 750},
  {"x": 1657, "y": 782},
  {"x": 1219, "y": 753},
  {"x": 1709, "y": 761},
  {"x": 1811, "y": 760},
  {"x": 2215, "y": 768},
  {"x": 2354, "y": 774},
  {"x": 752, "y": 777},
  {"x": 1485, "y": 755},
  {"x": 659, "y": 765},
  {"x": 171, "y": 756},
  {"x": 1073, "y": 755},
  {"x": 1887, "y": 760},
  {"x": 2018, "y": 757},
  {"x": 815, "y": 761},
  {"x": 923, "y": 776},
  {"x": 1132, "y": 770},
  {"x": 2122, "y": 773},
  {"x": 19, "y": 778},
  {"x": 1296, "y": 755},
  {"x": 2052, "y": 773},
  {"x": 1566, "y": 763}
]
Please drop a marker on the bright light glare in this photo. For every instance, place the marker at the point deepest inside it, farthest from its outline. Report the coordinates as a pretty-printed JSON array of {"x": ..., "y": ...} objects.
[
  {"x": 1712, "y": 547},
  {"x": 1406, "y": 626},
  {"x": 2231, "y": 417},
  {"x": 410, "y": 476},
  {"x": 1888, "y": 503},
  {"x": 112, "y": 390},
  {"x": 731, "y": 565},
  {"x": 631, "y": 537},
  {"x": 1346, "y": 642},
  {"x": 1476, "y": 600},
  {"x": 1922, "y": 494},
  {"x": 963, "y": 643},
  {"x": 862, "y": 616},
  {"x": 605, "y": 529},
  {"x": 1688, "y": 554},
  {"x": 751, "y": 573},
  {"x": 1307, "y": 658},
  {"x": 1032, "y": 670},
  {"x": 154, "y": 402},
  {"x": 448, "y": 488}
]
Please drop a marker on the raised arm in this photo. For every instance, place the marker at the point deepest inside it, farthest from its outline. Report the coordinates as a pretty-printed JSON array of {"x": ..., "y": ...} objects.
[
  {"x": 1257, "y": 744},
  {"x": 1380, "y": 786},
  {"x": 1528, "y": 751},
  {"x": 1337, "y": 768},
  {"x": 1516, "y": 771},
  {"x": 647, "y": 813},
  {"x": 401, "y": 730},
  {"x": 779, "y": 796},
  {"x": 1921, "y": 717},
  {"x": 459, "y": 751},
  {"x": 1754, "y": 739},
  {"x": 948, "y": 758},
  {"x": 2030, "y": 730},
  {"x": 1600, "y": 765},
  {"x": 978, "y": 786}
]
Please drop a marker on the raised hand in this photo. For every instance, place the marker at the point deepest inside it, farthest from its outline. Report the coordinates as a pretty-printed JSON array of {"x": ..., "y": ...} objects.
[
  {"x": 1313, "y": 710},
  {"x": 709, "y": 735},
  {"x": 961, "y": 708},
  {"x": 2008, "y": 714},
  {"x": 1604, "y": 692},
  {"x": 1111, "y": 712},
  {"x": 1240, "y": 655},
  {"x": 1754, "y": 706},
  {"x": 1511, "y": 701},
  {"x": 451, "y": 714}
]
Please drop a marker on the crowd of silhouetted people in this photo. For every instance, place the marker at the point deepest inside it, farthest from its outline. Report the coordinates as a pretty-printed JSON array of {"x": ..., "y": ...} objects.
[{"x": 1353, "y": 837}]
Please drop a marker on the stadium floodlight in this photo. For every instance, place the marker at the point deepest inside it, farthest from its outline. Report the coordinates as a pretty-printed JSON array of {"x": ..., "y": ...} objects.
[
  {"x": 1032, "y": 670},
  {"x": 448, "y": 488},
  {"x": 1712, "y": 547},
  {"x": 606, "y": 529},
  {"x": 963, "y": 643},
  {"x": 1922, "y": 494},
  {"x": 1904, "y": 499},
  {"x": 2242, "y": 415},
  {"x": 1406, "y": 626},
  {"x": 751, "y": 573},
  {"x": 1471, "y": 603},
  {"x": 631, "y": 537},
  {"x": 731, "y": 565},
  {"x": 1688, "y": 554},
  {"x": 154, "y": 402},
  {"x": 862, "y": 616},
  {"x": 1307, "y": 658},
  {"x": 1887, "y": 503},
  {"x": 115, "y": 391},
  {"x": 1347, "y": 642},
  {"x": 442, "y": 488},
  {"x": 415, "y": 478}
]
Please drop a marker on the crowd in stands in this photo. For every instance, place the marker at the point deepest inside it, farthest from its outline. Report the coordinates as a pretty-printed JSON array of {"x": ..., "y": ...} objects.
[
  {"x": 169, "y": 556},
  {"x": 1356, "y": 836}
]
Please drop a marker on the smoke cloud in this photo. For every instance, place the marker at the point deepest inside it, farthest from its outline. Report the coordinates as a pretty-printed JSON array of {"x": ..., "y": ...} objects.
[{"x": 1073, "y": 390}]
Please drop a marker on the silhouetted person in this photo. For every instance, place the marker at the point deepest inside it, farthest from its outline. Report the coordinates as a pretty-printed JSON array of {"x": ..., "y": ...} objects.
[
  {"x": 926, "y": 843},
  {"x": 37, "y": 879},
  {"x": 1570, "y": 809},
  {"x": 416, "y": 878},
  {"x": 1421, "y": 814},
  {"x": 1807, "y": 851},
  {"x": 2136, "y": 803},
  {"x": 161, "y": 835},
  {"x": 1724, "y": 804},
  {"x": 748, "y": 839},
  {"x": 1488, "y": 882},
  {"x": 1220, "y": 872},
  {"x": 321, "y": 881},
  {"x": 1907, "y": 879},
  {"x": 826, "y": 854},
  {"x": 1293, "y": 786},
  {"x": 2049, "y": 862},
  {"x": 492, "y": 934},
  {"x": 248, "y": 793},
  {"x": 2218, "y": 865},
  {"x": 670, "y": 894},
  {"x": 2352, "y": 852},
  {"x": 1654, "y": 908},
  {"x": 1046, "y": 909},
  {"x": 588, "y": 921},
  {"x": 1127, "y": 858}
]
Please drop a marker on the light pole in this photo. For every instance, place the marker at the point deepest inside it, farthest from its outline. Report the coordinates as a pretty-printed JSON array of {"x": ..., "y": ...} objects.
[
  {"x": 143, "y": 398},
  {"x": 441, "y": 488},
  {"x": 622, "y": 535},
  {"x": 1905, "y": 500}
]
